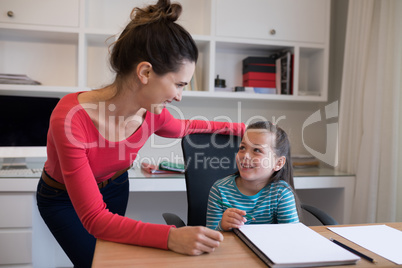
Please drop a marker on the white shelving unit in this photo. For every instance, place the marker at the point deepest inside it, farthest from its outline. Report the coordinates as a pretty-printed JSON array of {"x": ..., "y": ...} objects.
[{"x": 65, "y": 45}]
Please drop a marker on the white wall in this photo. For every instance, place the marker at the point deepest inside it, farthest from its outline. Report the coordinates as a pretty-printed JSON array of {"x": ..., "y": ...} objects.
[{"x": 294, "y": 113}]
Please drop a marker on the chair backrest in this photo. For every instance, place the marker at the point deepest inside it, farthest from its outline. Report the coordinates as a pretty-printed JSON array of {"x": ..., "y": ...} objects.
[{"x": 208, "y": 157}]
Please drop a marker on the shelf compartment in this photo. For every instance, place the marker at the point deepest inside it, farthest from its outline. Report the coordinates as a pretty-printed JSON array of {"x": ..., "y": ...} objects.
[
  {"x": 48, "y": 57},
  {"x": 229, "y": 57},
  {"x": 312, "y": 70},
  {"x": 99, "y": 72},
  {"x": 201, "y": 72}
]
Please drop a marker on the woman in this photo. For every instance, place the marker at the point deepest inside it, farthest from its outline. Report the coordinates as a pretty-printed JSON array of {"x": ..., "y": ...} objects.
[{"x": 95, "y": 136}]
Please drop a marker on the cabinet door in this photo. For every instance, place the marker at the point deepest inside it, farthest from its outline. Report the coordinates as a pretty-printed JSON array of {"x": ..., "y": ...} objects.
[
  {"x": 285, "y": 20},
  {"x": 16, "y": 210},
  {"x": 40, "y": 12},
  {"x": 16, "y": 247}
]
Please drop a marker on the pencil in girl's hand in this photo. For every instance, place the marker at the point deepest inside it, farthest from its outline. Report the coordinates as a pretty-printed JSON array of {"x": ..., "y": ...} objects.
[{"x": 229, "y": 206}]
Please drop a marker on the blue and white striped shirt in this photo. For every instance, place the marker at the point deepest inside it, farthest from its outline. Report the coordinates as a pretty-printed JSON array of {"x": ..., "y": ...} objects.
[{"x": 275, "y": 203}]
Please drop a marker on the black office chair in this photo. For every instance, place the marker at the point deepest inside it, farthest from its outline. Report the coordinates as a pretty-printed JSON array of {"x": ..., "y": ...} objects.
[{"x": 209, "y": 157}]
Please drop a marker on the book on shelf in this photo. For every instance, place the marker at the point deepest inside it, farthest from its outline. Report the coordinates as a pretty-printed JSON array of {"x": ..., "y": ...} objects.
[
  {"x": 275, "y": 70},
  {"x": 17, "y": 79},
  {"x": 264, "y": 61},
  {"x": 293, "y": 245},
  {"x": 192, "y": 86},
  {"x": 284, "y": 73},
  {"x": 259, "y": 90},
  {"x": 259, "y": 68},
  {"x": 259, "y": 72},
  {"x": 259, "y": 76},
  {"x": 259, "y": 83}
]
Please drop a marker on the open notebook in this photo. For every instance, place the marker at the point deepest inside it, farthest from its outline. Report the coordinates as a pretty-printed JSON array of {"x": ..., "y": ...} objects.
[{"x": 293, "y": 245}]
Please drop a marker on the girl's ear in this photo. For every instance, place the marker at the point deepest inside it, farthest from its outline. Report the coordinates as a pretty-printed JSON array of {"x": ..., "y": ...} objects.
[
  {"x": 280, "y": 162},
  {"x": 143, "y": 71}
]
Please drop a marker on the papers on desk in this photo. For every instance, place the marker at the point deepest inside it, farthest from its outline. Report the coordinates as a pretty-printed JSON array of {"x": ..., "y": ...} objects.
[
  {"x": 293, "y": 245},
  {"x": 380, "y": 239}
]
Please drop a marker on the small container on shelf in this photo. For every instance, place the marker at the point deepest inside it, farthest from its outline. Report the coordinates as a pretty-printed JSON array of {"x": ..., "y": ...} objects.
[{"x": 220, "y": 85}]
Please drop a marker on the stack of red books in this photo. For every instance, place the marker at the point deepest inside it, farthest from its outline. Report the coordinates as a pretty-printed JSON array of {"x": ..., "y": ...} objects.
[{"x": 259, "y": 72}]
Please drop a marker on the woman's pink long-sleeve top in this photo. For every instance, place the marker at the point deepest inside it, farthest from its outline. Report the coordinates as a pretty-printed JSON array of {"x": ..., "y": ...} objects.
[{"x": 80, "y": 157}]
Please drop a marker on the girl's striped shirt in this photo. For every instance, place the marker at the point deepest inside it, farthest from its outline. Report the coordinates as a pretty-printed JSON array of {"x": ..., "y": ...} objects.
[{"x": 275, "y": 203}]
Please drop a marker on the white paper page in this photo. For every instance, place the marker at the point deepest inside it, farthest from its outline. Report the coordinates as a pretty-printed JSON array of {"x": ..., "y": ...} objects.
[
  {"x": 380, "y": 239},
  {"x": 294, "y": 243}
]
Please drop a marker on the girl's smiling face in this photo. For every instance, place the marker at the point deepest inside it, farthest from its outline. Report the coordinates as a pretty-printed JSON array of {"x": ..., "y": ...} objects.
[{"x": 255, "y": 159}]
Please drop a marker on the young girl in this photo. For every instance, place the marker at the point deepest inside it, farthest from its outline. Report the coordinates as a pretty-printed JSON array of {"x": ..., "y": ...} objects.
[{"x": 263, "y": 187}]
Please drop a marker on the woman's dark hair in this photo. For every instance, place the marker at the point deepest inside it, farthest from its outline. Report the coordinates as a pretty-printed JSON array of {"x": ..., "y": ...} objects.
[
  {"x": 153, "y": 36},
  {"x": 281, "y": 147}
]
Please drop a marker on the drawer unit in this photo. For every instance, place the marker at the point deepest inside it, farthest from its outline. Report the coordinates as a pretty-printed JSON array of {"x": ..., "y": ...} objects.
[
  {"x": 16, "y": 228},
  {"x": 40, "y": 12}
]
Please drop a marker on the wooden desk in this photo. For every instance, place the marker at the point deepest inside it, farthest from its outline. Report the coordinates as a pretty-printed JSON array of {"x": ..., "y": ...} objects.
[{"x": 231, "y": 253}]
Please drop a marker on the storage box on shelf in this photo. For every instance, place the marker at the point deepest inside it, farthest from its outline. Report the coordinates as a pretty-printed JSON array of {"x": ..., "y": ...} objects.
[{"x": 69, "y": 51}]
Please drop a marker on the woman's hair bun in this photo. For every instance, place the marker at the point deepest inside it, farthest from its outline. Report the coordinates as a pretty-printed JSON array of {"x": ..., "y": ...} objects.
[
  {"x": 163, "y": 10},
  {"x": 153, "y": 36}
]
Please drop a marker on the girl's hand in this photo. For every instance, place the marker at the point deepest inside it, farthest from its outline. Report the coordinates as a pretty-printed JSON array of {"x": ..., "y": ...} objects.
[
  {"x": 233, "y": 218},
  {"x": 193, "y": 240}
]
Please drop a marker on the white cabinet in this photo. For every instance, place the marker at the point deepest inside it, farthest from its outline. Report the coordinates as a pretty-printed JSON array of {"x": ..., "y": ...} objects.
[
  {"x": 284, "y": 20},
  {"x": 64, "y": 43},
  {"x": 16, "y": 228},
  {"x": 41, "y": 12}
]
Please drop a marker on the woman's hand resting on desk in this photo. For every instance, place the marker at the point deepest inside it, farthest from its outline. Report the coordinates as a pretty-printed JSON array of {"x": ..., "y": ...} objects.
[{"x": 193, "y": 240}]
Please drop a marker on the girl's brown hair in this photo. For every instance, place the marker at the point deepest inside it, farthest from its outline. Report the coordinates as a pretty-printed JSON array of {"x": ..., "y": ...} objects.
[{"x": 281, "y": 147}]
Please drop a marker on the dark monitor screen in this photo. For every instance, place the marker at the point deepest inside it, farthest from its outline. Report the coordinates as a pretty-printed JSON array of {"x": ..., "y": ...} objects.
[{"x": 24, "y": 121}]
